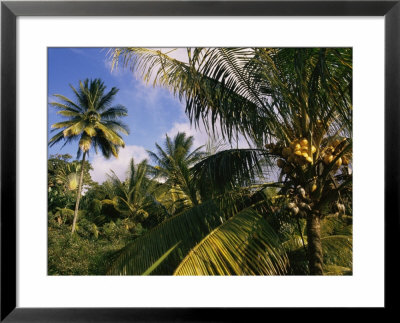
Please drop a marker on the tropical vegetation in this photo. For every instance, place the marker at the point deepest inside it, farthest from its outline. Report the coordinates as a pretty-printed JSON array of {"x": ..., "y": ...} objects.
[
  {"x": 93, "y": 120},
  {"x": 281, "y": 206}
]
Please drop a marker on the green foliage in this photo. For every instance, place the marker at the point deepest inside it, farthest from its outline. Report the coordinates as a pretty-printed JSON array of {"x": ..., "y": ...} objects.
[
  {"x": 228, "y": 169},
  {"x": 173, "y": 164},
  {"x": 60, "y": 171},
  {"x": 215, "y": 214},
  {"x": 244, "y": 245},
  {"x": 91, "y": 119},
  {"x": 132, "y": 197},
  {"x": 88, "y": 252},
  {"x": 272, "y": 96},
  {"x": 187, "y": 229},
  {"x": 159, "y": 261}
]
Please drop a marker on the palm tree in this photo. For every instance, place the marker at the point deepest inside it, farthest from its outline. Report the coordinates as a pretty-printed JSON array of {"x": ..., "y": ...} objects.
[
  {"x": 93, "y": 120},
  {"x": 293, "y": 104},
  {"x": 173, "y": 164},
  {"x": 134, "y": 197}
]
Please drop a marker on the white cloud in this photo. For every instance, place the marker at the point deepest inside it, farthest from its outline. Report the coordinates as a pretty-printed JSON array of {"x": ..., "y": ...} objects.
[{"x": 102, "y": 166}]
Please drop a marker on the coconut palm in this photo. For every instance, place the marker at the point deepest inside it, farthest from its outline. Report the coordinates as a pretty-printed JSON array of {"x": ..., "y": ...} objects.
[
  {"x": 293, "y": 104},
  {"x": 91, "y": 119},
  {"x": 173, "y": 163}
]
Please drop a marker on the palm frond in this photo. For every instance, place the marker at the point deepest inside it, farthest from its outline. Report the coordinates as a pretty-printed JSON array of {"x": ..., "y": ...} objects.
[
  {"x": 188, "y": 228},
  {"x": 229, "y": 168},
  {"x": 159, "y": 261},
  {"x": 260, "y": 92},
  {"x": 113, "y": 112},
  {"x": 243, "y": 245},
  {"x": 68, "y": 105}
]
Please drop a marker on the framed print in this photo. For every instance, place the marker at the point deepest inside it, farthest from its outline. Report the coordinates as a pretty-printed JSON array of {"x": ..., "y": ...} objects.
[{"x": 264, "y": 90}]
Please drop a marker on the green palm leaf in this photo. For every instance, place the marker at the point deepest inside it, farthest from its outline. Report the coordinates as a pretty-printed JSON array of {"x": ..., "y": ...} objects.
[
  {"x": 230, "y": 168},
  {"x": 159, "y": 261},
  {"x": 188, "y": 228},
  {"x": 243, "y": 245}
]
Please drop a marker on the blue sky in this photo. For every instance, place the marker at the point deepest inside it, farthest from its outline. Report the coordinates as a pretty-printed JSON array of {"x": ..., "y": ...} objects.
[{"x": 152, "y": 112}]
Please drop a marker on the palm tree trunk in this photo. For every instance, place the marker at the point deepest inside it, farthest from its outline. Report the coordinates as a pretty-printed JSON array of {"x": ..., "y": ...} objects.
[
  {"x": 315, "y": 257},
  {"x": 78, "y": 194}
]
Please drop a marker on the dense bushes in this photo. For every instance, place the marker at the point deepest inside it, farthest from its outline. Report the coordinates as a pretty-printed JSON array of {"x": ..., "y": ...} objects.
[{"x": 87, "y": 251}]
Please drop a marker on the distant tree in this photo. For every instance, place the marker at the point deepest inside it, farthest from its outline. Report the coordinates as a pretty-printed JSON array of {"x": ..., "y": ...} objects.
[
  {"x": 131, "y": 196},
  {"x": 173, "y": 163}
]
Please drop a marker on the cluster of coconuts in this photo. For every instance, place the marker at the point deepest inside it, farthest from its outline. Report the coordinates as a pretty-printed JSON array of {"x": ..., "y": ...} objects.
[
  {"x": 299, "y": 152},
  {"x": 299, "y": 205},
  {"x": 332, "y": 151}
]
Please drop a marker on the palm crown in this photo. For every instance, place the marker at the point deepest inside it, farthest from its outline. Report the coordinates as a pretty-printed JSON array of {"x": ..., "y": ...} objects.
[
  {"x": 91, "y": 118},
  {"x": 174, "y": 162}
]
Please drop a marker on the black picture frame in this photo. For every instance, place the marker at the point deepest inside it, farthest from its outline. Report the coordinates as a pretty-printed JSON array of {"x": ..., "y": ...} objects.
[{"x": 10, "y": 10}]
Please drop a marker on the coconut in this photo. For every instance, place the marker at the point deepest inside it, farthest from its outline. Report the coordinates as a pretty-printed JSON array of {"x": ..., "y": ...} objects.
[
  {"x": 286, "y": 152},
  {"x": 341, "y": 208},
  {"x": 301, "y": 191},
  {"x": 345, "y": 161},
  {"x": 280, "y": 163},
  {"x": 339, "y": 162},
  {"x": 297, "y": 153},
  {"x": 313, "y": 149},
  {"x": 305, "y": 155},
  {"x": 309, "y": 159},
  {"x": 303, "y": 142},
  {"x": 330, "y": 149},
  {"x": 328, "y": 159},
  {"x": 313, "y": 187}
]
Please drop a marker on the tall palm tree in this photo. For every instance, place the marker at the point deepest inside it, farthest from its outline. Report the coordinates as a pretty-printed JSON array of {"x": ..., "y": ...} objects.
[
  {"x": 93, "y": 120},
  {"x": 293, "y": 104}
]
